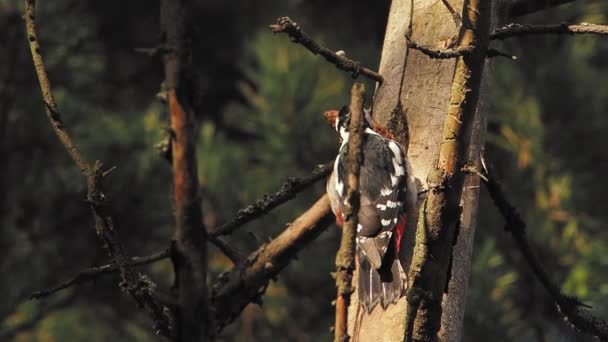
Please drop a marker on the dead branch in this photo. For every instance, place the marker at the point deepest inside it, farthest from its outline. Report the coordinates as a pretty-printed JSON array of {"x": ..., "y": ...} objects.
[
  {"x": 520, "y": 30},
  {"x": 93, "y": 273},
  {"x": 345, "y": 258},
  {"x": 234, "y": 255},
  {"x": 261, "y": 207},
  {"x": 137, "y": 285},
  {"x": 440, "y": 213},
  {"x": 455, "y": 16},
  {"x": 293, "y": 30},
  {"x": 247, "y": 282},
  {"x": 570, "y": 307},
  {"x": 441, "y": 54}
]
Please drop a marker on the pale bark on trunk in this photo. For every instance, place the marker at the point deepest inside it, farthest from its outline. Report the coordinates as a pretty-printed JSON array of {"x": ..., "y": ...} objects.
[{"x": 424, "y": 98}]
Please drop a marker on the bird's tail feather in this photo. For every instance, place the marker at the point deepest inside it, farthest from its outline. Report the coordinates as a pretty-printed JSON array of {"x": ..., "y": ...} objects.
[{"x": 382, "y": 286}]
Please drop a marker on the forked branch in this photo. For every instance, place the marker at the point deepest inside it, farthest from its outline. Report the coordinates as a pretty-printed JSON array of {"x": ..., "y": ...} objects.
[
  {"x": 293, "y": 30},
  {"x": 137, "y": 285}
]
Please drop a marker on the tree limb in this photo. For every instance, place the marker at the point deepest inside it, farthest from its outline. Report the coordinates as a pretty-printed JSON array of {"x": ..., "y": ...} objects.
[
  {"x": 261, "y": 207},
  {"x": 519, "y": 30},
  {"x": 293, "y": 30},
  {"x": 345, "y": 258},
  {"x": 93, "y": 273},
  {"x": 137, "y": 285},
  {"x": 247, "y": 282},
  {"x": 570, "y": 307}
]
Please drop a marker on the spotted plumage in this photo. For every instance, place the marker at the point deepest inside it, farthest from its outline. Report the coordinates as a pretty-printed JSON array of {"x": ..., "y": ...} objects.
[{"x": 387, "y": 192}]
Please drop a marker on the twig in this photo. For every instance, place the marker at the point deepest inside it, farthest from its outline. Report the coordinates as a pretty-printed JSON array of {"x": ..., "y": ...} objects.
[
  {"x": 572, "y": 309},
  {"x": 137, "y": 285},
  {"x": 345, "y": 258},
  {"x": 261, "y": 207},
  {"x": 235, "y": 256},
  {"x": 293, "y": 30},
  {"x": 457, "y": 18},
  {"x": 93, "y": 273},
  {"x": 519, "y": 30},
  {"x": 247, "y": 282},
  {"x": 441, "y": 54}
]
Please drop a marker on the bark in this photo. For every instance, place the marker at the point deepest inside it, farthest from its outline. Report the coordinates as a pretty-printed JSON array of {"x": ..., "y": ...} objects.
[
  {"x": 190, "y": 253},
  {"x": 412, "y": 103}
]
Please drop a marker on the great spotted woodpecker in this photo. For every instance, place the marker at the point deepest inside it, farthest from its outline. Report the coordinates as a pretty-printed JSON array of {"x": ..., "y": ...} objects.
[{"x": 388, "y": 194}]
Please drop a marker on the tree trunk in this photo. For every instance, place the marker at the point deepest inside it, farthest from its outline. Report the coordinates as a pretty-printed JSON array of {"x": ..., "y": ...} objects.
[
  {"x": 189, "y": 254},
  {"x": 412, "y": 103}
]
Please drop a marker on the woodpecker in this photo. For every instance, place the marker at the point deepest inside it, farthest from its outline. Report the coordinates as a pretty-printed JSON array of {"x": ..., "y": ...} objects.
[{"x": 388, "y": 194}]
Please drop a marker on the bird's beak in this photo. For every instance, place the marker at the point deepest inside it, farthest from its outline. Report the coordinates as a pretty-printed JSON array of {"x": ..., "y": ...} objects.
[{"x": 331, "y": 116}]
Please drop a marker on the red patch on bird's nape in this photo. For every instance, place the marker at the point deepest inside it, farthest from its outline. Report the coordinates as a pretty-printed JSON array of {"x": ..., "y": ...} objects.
[{"x": 399, "y": 230}]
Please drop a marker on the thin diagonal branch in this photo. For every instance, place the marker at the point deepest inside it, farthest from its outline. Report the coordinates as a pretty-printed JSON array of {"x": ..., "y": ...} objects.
[
  {"x": 520, "y": 30},
  {"x": 572, "y": 309},
  {"x": 293, "y": 30},
  {"x": 263, "y": 206},
  {"x": 93, "y": 273},
  {"x": 247, "y": 282},
  {"x": 441, "y": 54},
  {"x": 457, "y": 18},
  {"x": 345, "y": 258},
  {"x": 137, "y": 285}
]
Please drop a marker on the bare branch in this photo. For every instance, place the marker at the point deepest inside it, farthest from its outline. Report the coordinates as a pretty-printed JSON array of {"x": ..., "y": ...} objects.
[
  {"x": 572, "y": 309},
  {"x": 137, "y": 285},
  {"x": 235, "y": 256},
  {"x": 247, "y": 282},
  {"x": 288, "y": 26},
  {"x": 457, "y": 18},
  {"x": 441, "y": 54},
  {"x": 263, "y": 206},
  {"x": 93, "y": 273},
  {"x": 345, "y": 258},
  {"x": 519, "y": 30}
]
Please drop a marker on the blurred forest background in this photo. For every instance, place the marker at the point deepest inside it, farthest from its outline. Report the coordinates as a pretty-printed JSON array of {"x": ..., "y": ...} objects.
[{"x": 263, "y": 122}]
